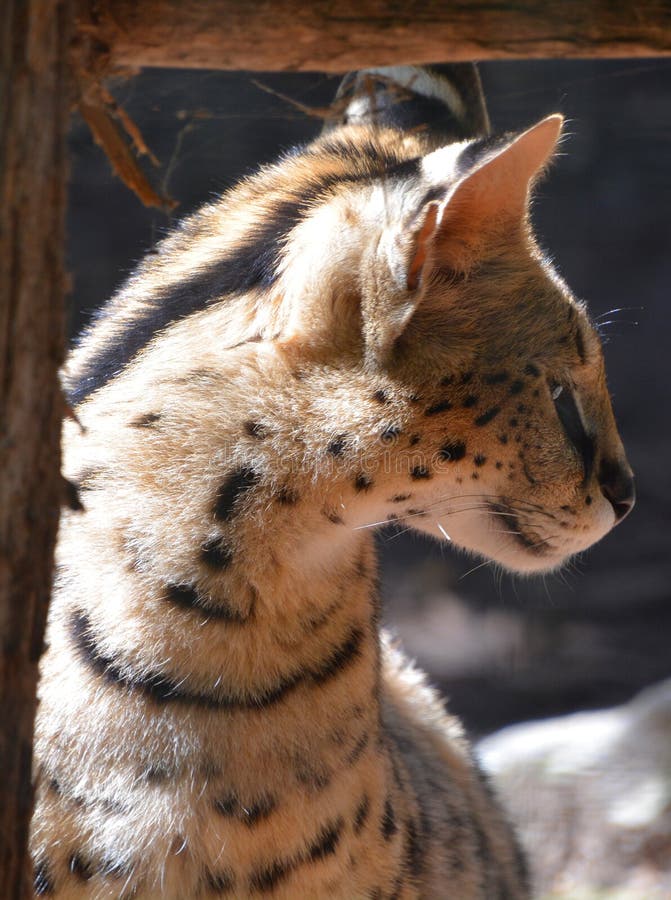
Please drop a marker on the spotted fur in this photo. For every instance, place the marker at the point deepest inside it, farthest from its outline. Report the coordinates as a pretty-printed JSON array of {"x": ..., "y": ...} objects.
[{"x": 365, "y": 331}]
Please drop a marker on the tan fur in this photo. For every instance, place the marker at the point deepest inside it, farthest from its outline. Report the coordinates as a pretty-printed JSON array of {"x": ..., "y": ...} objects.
[{"x": 324, "y": 394}]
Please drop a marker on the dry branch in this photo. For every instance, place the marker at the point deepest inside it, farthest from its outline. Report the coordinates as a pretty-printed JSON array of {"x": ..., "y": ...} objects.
[{"x": 336, "y": 35}]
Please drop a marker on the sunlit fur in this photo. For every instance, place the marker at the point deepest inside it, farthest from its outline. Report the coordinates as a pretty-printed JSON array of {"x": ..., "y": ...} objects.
[{"x": 219, "y": 713}]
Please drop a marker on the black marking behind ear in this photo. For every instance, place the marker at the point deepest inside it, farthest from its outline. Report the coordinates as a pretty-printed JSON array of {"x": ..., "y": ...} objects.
[
  {"x": 236, "y": 484},
  {"x": 252, "y": 262}
]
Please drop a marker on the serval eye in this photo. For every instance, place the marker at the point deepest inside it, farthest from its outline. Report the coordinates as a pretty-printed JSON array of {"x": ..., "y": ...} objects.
[{"x": 572, "y": 423}]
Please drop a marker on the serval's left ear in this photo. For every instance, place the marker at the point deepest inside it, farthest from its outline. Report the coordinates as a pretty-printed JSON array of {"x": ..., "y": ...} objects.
[
  {"x": 470, "y": 200},
  {"x": 490, "y": 199}
]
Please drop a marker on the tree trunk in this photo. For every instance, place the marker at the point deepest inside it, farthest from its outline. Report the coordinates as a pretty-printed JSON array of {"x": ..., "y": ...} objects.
[
  {"x": 34, "y": 92},
  {"x": 337, "y": 35}
]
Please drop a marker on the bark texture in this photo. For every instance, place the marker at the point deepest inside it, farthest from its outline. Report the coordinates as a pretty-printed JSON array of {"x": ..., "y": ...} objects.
[
  {"x": 337, "y": 35},
  {"x": 34, "y": 108}
]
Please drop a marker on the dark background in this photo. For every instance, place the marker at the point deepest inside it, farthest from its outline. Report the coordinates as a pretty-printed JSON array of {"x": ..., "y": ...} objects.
[{"x": 503, "y": 649}]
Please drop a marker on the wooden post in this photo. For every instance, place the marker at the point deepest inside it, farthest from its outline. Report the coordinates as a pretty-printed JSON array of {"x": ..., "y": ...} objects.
[
  {"x": 337, "y": 35},
  {"x": 34, "y": 110}
]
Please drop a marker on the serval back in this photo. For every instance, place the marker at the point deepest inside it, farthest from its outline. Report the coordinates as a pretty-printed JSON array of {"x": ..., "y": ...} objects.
[{"x": 363, "y": 332}]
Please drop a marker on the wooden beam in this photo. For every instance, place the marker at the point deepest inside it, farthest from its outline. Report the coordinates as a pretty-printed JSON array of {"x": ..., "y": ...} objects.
[
  {"x": 34, "y": 114},
  {"x": 337, "y": 35}
]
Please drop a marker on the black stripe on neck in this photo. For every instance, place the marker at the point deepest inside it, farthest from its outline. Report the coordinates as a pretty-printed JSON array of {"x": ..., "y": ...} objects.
[{"x": 162, "y": 689}]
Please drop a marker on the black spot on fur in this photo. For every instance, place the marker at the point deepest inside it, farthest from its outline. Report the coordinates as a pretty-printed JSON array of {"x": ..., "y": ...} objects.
[
  {"x": 327, "y": 840},
  {"x": 418, "y": 513},
  {"x": 400, "y": 498},
  {"x": 216, "y": 553},
  {"x": 357, "y": 750},
  {"x": 220, "y": 882},
  {"x": 466, "y": 377},
  {"x": 236, "y": 484},
  {"x": 332, "y": 516},
  {"x": 363, "y": 482},
  {"x": 287, "y": 496},
  {"x": 337, "y": 445},
  {"x": 72, "y": 499},
  {"x": 499, "y": 464},
  {"x": 381, "y": 397},
  {"x": 266, "y": 879},
  {"x": 157, "y": 774},
  {"x": 453, "y": 451},
  {"x": 514, "y": 422},
  {"x": 516, "y": 387},
  {"x": 256, "y": 430},
  {"x": 361, "y": 814},
  {"x": 226, "y": 805},
  {"x": 487, "y": 416},
  {"x": 42, "y": 882},
  {"x": 419, "y": 473},
  {"x": 496, "y": 378},
  {"x": 187, "y": 597},
  {"x": 249, "y": 814},
  {"x": 388, "y": 825},
  {"x": 80, "y": 867},
  {"x": 479, "y": 459},
  {"x": 522, "y": 408},
  {"x": 390, "y": 434},
  {"x": 413, "y": 856},
  {"x": 114, "y": 868},
  {"x": 397, "y": 888},
  {"x": 447, "y": 380},
  {"x": 414, "y": 439},
  {"x": 470, "y": 401},
  {"x": 441, "y": 407},
  {"x": 588, "y": 500},
  {"x": 146, "y": 421},
  {"x": 532, "y": 370}
]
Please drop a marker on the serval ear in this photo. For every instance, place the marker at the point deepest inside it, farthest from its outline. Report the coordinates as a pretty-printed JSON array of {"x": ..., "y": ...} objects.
[
  {"x": 490, "y": 200},
  {"x": 470, "y": 198}
]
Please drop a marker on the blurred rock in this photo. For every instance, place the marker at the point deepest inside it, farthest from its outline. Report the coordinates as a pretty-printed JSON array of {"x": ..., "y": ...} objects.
[{"x": 591, "y": 796}]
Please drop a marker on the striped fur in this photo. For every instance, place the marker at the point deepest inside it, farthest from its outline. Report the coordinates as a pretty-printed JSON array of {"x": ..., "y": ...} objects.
[{"x": 363, "y": 332}]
